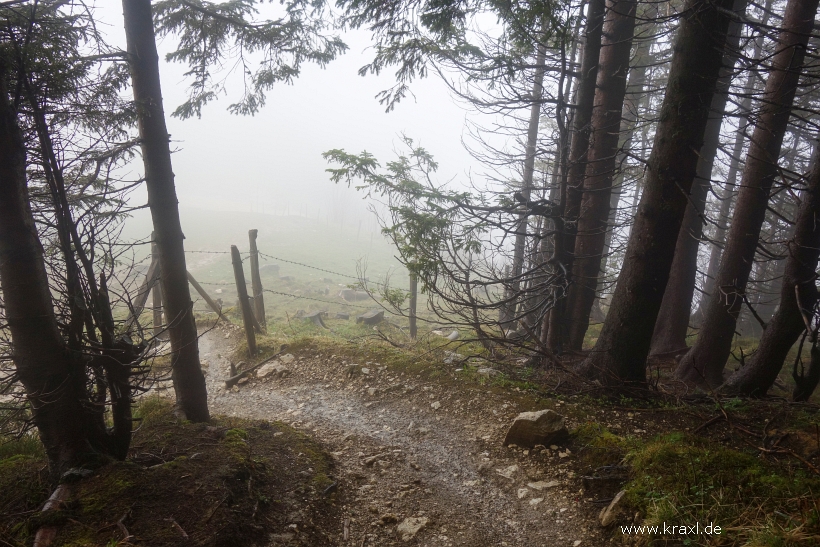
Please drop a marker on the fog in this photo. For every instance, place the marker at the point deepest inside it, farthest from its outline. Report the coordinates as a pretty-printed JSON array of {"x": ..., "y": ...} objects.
[{"x": 271, "y": 163}]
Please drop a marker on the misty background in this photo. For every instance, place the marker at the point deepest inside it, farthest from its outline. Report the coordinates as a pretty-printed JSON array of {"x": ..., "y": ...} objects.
[{"x": 234, "y": 173}]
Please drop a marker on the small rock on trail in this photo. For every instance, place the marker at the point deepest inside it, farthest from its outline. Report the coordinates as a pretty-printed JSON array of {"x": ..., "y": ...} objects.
[
  {"x": 413, "y": 458},
  {"x": 410, "y": 527},
  {"x": 532, "y": 428}
]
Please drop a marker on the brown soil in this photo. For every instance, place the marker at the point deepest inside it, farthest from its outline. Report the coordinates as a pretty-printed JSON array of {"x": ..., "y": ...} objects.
[
  {"x": 225, "y": 484},
  {"x": 408, "y": 446}
]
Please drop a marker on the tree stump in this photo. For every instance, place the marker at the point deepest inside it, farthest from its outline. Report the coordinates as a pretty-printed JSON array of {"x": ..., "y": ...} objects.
[
  {"x": 373, "y": 317},
  {"x": 316, "y": 318}
]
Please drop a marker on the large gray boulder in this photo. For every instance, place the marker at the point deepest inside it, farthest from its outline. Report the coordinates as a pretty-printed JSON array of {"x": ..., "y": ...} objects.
[{"x": 544, "y": 427}]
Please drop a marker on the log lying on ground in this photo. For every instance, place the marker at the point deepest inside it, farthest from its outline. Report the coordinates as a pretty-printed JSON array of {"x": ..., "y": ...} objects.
[
  {"x": 46, "y": 535},
  {"x": 230, "y": 382}
]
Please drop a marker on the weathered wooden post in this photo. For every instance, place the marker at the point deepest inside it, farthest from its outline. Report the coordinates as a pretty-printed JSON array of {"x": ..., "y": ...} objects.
[
  {"x": 414, "y": 287},
  {"x": 156, "y": 292},
  {"x": 256, "y": 281},
  {"x": 151, "y": 278},
  {"x": 213, "y": 305},
  {"x": 242, "y": 291}
]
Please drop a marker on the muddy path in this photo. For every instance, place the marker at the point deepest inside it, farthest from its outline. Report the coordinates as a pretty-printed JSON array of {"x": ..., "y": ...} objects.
[{"x": 411, "y": 448}]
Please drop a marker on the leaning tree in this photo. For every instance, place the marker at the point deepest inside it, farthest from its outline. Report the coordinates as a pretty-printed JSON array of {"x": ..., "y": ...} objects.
[{"x": 64, "y": 130}]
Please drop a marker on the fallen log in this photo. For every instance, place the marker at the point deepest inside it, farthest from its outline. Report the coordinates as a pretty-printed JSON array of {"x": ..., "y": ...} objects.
[{"x": 230, "y": 382}]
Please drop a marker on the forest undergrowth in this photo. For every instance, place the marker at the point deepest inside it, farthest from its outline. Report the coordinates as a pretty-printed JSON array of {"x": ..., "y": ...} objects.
[
  {"x": 226, "y": 483},
  {"x": 748, "y": 466}
]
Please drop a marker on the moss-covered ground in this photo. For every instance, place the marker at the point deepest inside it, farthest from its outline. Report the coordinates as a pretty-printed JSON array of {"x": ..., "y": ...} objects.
[{"x": 230, "y": 482}]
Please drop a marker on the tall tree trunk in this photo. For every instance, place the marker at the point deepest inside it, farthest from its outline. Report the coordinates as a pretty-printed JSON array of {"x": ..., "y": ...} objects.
[
  {"x": 619, "y": 356},
  {"x": 798, "y": 295},
  {"x": 704, "y": 363},
  {"x": 673, "y": 318},
  {"x": 579, "y": 145},
  {"x": 616, "y": 46},
  {"x": 718, "y": 239},
  {"x": 52, "y": 380},
  {"x": 522, "y": 225},
  {"x": 728, "y": 198},
  {"x": 143, "y": 60},
  {"x": 634, "y": 98}
]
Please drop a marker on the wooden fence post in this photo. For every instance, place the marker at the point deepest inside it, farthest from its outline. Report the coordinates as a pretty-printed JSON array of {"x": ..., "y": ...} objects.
[
  {"x": 151, "y": 277},
  {"x": 414, "y": 287},
  {"x": 205, "y": 296},
  {"x": 242, "y": 291},
  {"x": 156, "y": 292},
  {"x": 256, "y": 281}
]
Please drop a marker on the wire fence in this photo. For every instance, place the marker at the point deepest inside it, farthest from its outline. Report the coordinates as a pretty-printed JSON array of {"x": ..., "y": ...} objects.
[
  {"x": 281, "y": 293},
  {"x": 308, "y": 266},
  {"x": 280, "y": 259},
  {"x": 297, "y": 296},
  {"x": 257, "y": 288}
]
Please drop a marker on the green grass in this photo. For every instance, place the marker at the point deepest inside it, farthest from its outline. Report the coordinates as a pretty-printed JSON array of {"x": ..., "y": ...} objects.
[
  {"x": 681, "y": 479},
  {"x": 27, "y": 444}
]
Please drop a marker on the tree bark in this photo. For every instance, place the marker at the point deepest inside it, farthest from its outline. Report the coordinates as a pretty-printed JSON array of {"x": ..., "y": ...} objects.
[
  {"x": 719, "y": 237},
  {"x": 704, "y": 363},
  {"x": 798, "y": 295},
  {"x": 619, "y": 356},
  {"x": 527, "y": 183},
  {"x": 49, "y": 374},
  {"x": 728, "y": 198},
  {"x": 616, "y": 46},
  {"x": 672, "y": 325},
  {"x": 143, "y": 61},
  {"x": 579, "y": 145}
]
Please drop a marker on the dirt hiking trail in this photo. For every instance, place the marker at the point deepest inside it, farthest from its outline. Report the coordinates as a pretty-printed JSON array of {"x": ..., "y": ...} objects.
[{"x": 418, "y": 462}]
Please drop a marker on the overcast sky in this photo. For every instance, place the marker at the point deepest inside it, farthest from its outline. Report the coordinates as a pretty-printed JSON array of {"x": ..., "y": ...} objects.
[{"x": 273, "y": 160}]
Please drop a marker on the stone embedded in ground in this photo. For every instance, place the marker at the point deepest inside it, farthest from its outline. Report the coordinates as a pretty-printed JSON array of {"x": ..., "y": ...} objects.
[
  {"x": 613, "y": 511},
  {"x": 487, "y": 372},
  {"x": 451, "y": 357},
  {"x": 286, "y": 358},
  {"x": 272, "y": 370},
  {"x": 411, "y": 526},
  {"x": 542, "y": 485},
  {"x": 435, "y": 405},
  {"x": 508, "y": 472},
  {"x": 522, "y": 492},
  {"x": 266, "y": 370},
  {"x": 536, "y": 501},
  {"x": 532, "y": 428},
  {"x": 389, "y": 518}
]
